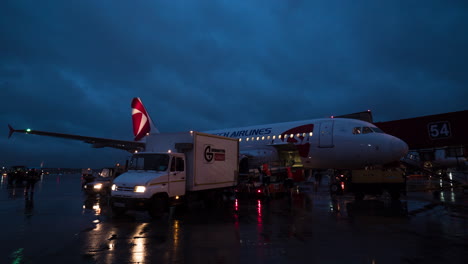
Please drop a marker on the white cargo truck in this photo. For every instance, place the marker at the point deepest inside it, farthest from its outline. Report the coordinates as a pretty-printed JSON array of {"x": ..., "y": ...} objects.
[{"x": 176, "y": 168}]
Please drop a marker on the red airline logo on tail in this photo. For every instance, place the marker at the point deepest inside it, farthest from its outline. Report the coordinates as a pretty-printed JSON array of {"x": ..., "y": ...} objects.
[{"x": 141, "y": 124}]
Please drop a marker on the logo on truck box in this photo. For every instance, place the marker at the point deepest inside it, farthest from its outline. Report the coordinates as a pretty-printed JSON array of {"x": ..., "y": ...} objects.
[{"x": 213, "y": 154}]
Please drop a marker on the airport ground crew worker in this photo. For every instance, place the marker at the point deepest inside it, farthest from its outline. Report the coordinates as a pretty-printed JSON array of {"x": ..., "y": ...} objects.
[
  {"x": 289, "y": 182},
  {"x": 31, "y": 178},
  {"x": 266, "y": 178},
  {"x": 11, "y": 177}
]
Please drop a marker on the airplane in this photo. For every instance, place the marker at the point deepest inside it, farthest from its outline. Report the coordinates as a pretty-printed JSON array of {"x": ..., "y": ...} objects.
[{"x": 325, "y": 143}]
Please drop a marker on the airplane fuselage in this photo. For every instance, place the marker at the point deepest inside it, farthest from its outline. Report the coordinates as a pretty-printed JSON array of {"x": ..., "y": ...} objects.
[{"x": 319, "y": 143}]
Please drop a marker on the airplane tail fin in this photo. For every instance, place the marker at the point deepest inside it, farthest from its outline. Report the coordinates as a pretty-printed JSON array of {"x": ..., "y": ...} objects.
[{"x": 142, "y": 123}]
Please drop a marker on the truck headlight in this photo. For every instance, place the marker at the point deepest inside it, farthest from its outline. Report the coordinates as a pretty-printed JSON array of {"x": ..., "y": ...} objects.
[
  {"x": 113, "y": 187},
  {"x": 140, "y": 189},
  {"x": 98, "y": 186}
]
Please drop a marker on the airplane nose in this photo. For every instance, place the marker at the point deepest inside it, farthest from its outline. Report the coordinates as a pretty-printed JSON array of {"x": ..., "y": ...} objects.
[{"x": 399, "y": 147}]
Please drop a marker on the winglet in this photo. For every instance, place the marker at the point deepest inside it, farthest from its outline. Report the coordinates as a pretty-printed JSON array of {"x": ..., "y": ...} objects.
[{"x": 11, "y": 131}]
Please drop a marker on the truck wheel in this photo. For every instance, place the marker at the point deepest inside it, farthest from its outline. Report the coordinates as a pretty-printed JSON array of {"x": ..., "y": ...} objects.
[
  {"x": 395, "y": 195},
  {"x": 359, "y": 196},
  {"x": 118, "y": 211},
  {"x": 157, "y": 207},
  {"x": 335, "y": 188}
]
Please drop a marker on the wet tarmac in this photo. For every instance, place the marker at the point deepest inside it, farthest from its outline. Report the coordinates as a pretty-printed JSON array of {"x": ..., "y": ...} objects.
[{"x": 60, "y": 224}]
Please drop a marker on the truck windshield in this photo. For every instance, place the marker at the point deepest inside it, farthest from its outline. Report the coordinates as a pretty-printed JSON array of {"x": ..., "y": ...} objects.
[{"x": 157, "y": 162}]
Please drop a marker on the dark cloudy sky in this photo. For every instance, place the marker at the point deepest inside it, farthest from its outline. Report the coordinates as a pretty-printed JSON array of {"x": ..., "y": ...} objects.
[{"x": 74, "y": 66}]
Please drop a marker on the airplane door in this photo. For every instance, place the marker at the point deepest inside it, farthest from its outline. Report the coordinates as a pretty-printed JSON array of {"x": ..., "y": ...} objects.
[
  {"x": 177, "y": 177},
  {"x": 326, "y": 134}
]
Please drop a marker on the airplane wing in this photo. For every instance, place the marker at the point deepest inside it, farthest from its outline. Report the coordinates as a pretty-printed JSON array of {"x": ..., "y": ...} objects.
[{"x": 96, "y": 142}]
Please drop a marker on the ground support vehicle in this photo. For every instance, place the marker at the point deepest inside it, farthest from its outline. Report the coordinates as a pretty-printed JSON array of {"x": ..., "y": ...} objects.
[
  {"x": 177, "y": 168},
  {"x": 370, "y": 181},
  {"x": 103, "y": 181},
  {"x": 87, "y": 176},
  {"x": 256, "y": 184},
  {"x": 17, "y": 175}
]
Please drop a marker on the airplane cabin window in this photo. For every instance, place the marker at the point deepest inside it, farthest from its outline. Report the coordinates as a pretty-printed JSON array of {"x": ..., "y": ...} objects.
[
  {"x": 367, "y": 130},
  {"x": 357, "y": 130},
  {"x": 240, "y": 139},
  {"x": 279, "y": 136},
  {"x": 263, "y": 138},
  {"x": 274, "y": 137},
  {"x": 310, "y": 134},
  {"x": 247, "y": 139}
]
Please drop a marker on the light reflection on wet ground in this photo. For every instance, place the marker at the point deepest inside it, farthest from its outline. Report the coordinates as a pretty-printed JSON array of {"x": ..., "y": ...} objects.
[{"x": 62, "y": 225}]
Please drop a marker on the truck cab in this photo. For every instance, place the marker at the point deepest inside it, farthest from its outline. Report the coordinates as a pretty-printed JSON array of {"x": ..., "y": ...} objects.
[{"x": 150, "y": 175}]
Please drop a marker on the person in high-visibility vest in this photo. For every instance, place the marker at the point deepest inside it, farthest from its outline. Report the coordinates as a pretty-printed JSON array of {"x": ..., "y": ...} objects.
[
  {"x": 289, "y": 171},
  {"x": 266, "y": 169}
]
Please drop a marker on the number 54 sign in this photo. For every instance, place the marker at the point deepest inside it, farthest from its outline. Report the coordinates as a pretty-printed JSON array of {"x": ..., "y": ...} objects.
[{"x": 438, "y": 130}]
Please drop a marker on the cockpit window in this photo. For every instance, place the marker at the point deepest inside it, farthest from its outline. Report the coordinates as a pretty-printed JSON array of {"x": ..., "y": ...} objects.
[
  {"x": 377, "y": 130},
  {"x": 357, "y": 130},
  {"x": 367, "y": 130}
]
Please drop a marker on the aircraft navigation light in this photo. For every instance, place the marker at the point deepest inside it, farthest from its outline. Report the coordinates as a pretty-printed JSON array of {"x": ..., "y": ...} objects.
[{"x": 28, "y": 130}]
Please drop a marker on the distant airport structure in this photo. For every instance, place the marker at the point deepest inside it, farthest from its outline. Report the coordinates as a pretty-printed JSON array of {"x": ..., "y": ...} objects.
[{"x": 437, "y": 141}]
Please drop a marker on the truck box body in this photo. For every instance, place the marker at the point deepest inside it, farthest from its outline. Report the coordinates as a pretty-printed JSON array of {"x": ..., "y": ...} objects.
[{"x": 211, "y": 161}]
